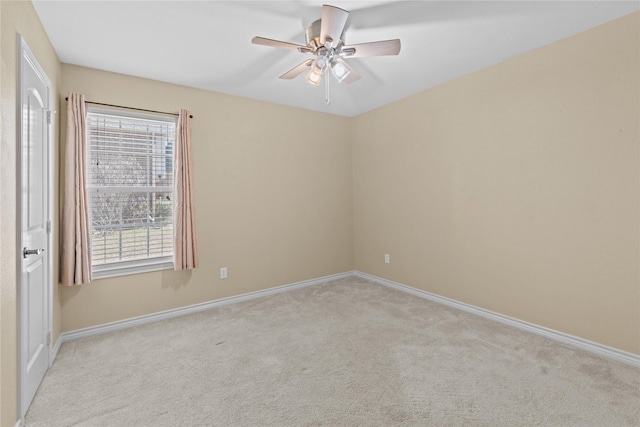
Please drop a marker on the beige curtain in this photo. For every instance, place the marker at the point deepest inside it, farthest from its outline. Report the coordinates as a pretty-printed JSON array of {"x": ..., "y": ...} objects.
[
  {"x": 75, "y": 253},
  {"x": 185, "y": 252}
]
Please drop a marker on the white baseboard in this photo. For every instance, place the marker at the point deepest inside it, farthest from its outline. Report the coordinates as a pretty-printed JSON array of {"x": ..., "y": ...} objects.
[
  {"x": 182, "y": 311},
  {"x": 573, "y": 341},
  {"x": 53, "y": 352},
  {"x": 590, "y": 346}
]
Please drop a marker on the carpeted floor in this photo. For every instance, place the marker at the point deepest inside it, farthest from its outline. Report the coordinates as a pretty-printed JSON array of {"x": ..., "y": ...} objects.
[{"x": 343, "y": 353}]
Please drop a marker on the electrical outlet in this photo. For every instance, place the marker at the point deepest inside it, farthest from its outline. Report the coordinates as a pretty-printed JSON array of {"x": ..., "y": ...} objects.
[
  {"x": 386, "y": 259},
  {"x": 223, "y": 272}
]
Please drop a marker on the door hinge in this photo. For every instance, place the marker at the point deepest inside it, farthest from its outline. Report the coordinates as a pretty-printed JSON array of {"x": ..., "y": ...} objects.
[
  {"x": 48, "y": 226},
  {"x": 48, "y": 117},
  {"x": 49, "y": 338}
]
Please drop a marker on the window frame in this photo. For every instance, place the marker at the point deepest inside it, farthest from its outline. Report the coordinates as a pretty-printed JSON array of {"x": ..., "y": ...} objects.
[{"x": 144, "y": 265}]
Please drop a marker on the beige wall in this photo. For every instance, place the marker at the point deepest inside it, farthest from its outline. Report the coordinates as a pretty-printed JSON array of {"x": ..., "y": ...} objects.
[
  {"x": 515, "y": 188},
  {"x": 17, "y": 17},
  {"x": 273, "y": 199}
]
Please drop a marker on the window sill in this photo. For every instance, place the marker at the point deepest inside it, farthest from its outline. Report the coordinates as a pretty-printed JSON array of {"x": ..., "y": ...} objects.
[{"x": 131, "y": 267}]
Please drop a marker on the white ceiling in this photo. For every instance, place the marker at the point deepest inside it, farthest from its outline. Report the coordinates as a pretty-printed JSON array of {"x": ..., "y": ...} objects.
[{"x": 207, "y": 44}]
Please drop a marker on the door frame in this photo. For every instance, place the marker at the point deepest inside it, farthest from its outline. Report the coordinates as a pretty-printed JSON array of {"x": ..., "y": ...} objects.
[{"x": 24, "y": 55}]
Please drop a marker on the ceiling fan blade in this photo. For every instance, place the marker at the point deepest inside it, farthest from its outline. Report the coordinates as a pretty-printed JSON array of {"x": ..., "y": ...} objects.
[
  {"x": 386, "y": 47},
  {"x": 297, "y": 70},
  {"x": 275, "y": 43},
  {"x": 333, "y": 22},
  {"x": 353, "y": 74}
]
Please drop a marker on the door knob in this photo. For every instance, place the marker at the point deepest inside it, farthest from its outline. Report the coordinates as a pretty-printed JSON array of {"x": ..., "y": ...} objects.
[{"x": 26, "y": 252}]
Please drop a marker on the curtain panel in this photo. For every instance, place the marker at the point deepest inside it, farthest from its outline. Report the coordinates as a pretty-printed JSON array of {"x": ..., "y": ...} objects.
[
  {"x": 185, "y": 251},
  {"x": 75, "y": 251}
]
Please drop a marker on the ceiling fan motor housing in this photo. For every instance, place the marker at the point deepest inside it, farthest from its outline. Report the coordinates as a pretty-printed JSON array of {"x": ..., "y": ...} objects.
[{"x": 313, "y": 36}]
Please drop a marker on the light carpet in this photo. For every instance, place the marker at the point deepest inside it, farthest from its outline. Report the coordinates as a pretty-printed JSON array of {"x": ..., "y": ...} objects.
[{"x": 343, "y": 353}]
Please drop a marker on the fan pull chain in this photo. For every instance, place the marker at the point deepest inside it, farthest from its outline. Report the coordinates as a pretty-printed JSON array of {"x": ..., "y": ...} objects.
[{"x": 326, "y": 91}]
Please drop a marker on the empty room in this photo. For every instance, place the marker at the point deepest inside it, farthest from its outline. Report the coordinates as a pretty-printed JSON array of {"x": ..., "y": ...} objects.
[{"x": 292, "y": 213}]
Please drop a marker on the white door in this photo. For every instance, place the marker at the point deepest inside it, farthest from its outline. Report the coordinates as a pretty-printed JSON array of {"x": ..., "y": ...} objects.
[{"x": 34, "y": 283}]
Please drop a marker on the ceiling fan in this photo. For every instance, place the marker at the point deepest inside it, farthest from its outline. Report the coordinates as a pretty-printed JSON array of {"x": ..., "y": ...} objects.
[{"x": 325, "y": 41}]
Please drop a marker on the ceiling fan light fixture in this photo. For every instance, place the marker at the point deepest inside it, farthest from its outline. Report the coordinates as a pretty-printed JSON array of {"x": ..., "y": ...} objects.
[
  {"x": 339, "y": 71},
  {"x": 314, "y": 77},
  {"x": 317, "y": 69}
]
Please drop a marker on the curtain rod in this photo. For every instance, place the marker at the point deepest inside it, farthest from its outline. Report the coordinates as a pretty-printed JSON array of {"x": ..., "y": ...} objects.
[{"x": 129, "y": 108}]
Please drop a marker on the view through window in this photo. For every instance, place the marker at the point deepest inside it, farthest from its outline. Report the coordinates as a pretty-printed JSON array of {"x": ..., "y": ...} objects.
[{"x": 130, "y": 188}]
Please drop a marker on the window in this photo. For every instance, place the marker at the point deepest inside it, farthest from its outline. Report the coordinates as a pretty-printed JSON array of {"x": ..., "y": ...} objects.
[{"x": 130, "y": 190}]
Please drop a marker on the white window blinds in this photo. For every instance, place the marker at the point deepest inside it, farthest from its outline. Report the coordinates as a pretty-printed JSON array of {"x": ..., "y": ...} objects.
[{"x": 130, "y": 188}]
